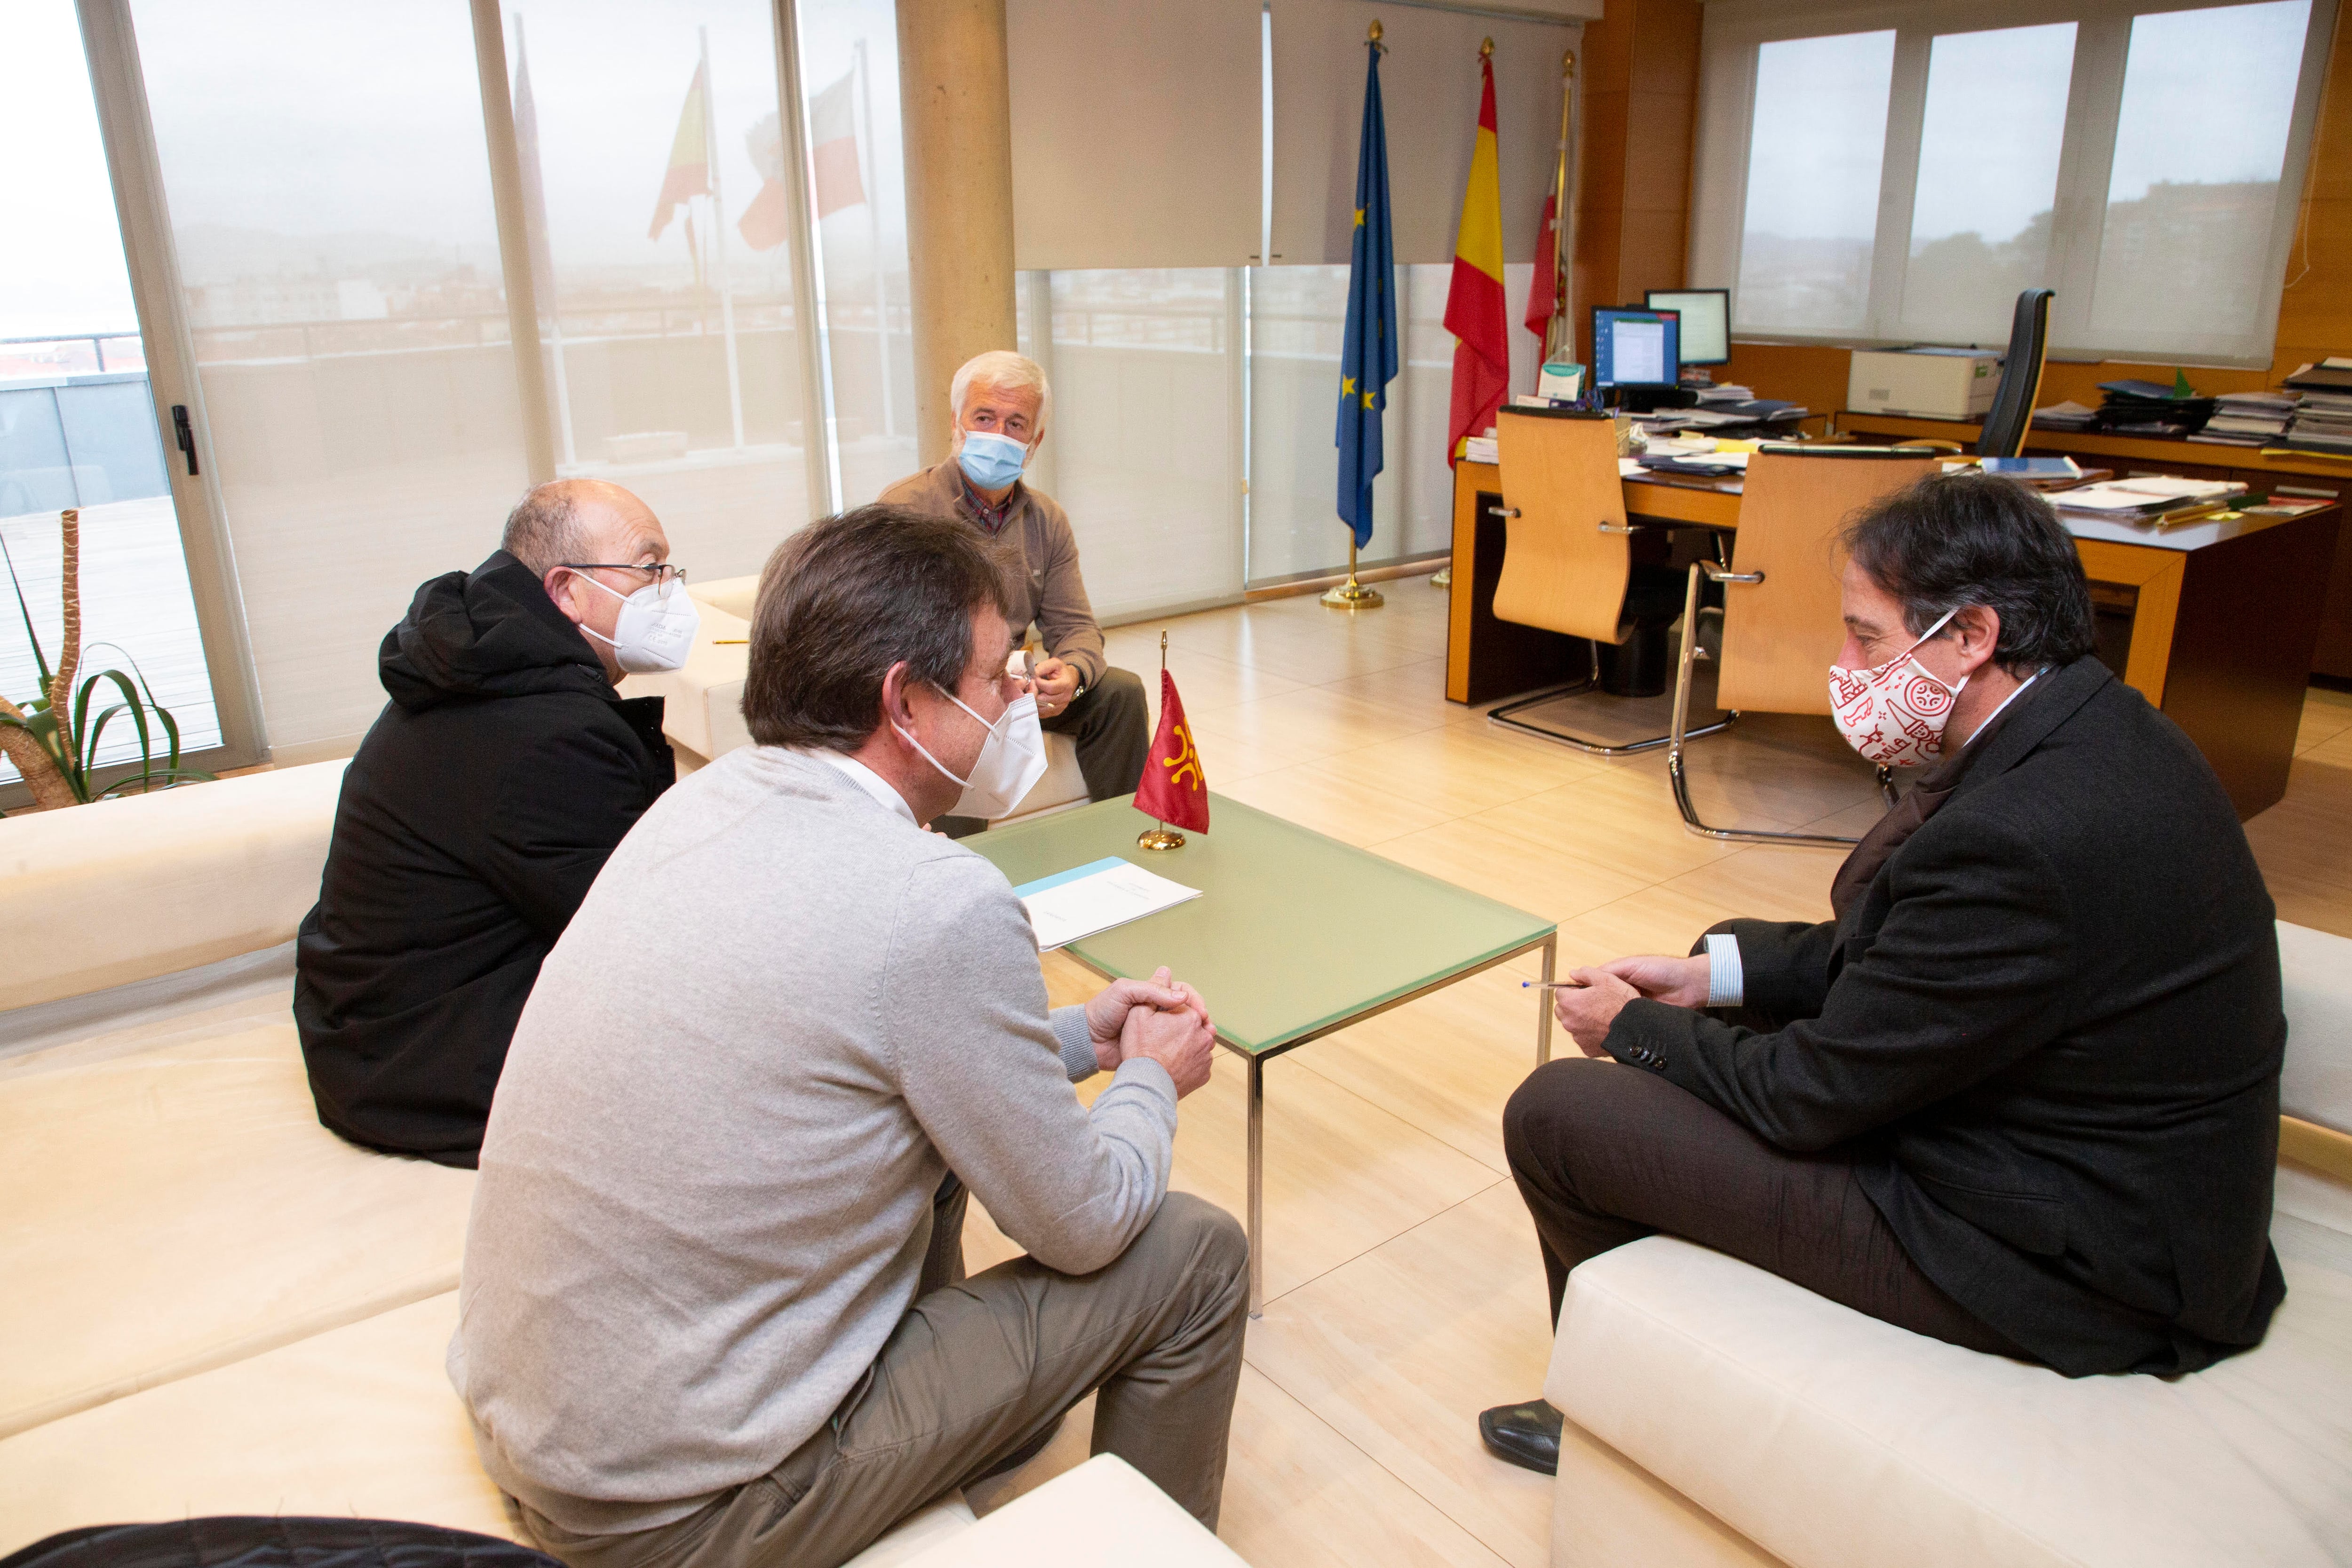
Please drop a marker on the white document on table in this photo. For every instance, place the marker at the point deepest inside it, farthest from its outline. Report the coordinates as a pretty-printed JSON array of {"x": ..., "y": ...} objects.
[{"x": 1079, "y": 902}]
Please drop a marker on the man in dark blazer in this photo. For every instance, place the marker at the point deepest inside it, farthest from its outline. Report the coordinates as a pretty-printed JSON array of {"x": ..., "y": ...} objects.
[
  {"x": 479, "y": 809},
  {"x": 2022, "y": 1094}
]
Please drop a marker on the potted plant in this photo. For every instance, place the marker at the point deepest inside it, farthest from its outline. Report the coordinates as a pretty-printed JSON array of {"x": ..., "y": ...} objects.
[{"x": 53, "y": 737}]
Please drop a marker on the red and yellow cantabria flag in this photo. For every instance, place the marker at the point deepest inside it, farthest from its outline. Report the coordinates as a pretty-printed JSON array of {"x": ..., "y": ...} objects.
[
  {"x": 689, "y": 158},
  {"x": 1173, "y": 789},
  {"x": 1475, "y": 312}
]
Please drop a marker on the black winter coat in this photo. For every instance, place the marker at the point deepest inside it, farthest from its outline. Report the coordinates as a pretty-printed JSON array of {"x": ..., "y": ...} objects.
[
  {"x": 2049, "y": 1036},
  {"x": 478, "y": 811}
]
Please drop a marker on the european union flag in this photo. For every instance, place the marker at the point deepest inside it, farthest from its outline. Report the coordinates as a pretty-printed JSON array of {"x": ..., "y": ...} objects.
[{"x": 1369, "y": 361}]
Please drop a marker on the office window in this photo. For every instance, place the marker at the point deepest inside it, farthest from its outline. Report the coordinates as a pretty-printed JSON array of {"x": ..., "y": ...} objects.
[
  {"x": 1813, "y": 195},
  {"x": 1981, "y": 223},
  {"x": 1898, "y": 172}
]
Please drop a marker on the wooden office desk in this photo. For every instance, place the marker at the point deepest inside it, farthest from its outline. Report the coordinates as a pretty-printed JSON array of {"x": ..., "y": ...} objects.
[
  {"x": 2213, "y": 623},
  {"x": 2331, "y": 653}
]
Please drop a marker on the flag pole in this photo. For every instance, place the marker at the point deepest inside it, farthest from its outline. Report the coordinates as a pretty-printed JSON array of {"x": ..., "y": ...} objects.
[
  {"x": 1352, "y": 594},
  {"x": 1443, "y": 576},
  {"x": 718, "y": 246},
  {"x": 1159, "y": 835},
  {"x": 1560, "y": 339}
]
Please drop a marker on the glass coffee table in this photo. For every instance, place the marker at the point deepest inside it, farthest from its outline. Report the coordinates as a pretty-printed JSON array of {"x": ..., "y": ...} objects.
[{"x": 1294, "y": 935}]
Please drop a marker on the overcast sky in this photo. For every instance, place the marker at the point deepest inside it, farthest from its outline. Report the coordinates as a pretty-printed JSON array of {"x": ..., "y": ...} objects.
[{"x": 60, "y": 252}]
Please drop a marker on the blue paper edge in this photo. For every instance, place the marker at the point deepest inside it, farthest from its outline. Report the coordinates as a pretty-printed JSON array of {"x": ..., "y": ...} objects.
[{"x": 1027, "y": 889}]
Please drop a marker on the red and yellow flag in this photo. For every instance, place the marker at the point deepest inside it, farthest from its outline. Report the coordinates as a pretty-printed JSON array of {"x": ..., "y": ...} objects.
[
  {"x": 1475, "y": 312},
  {"x": 1173, "y": 789},
  {"x": 690, "y": 158}
]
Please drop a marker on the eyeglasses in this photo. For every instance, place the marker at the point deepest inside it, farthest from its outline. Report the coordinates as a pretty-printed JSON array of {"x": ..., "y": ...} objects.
[{"x": 662, "y": 572}]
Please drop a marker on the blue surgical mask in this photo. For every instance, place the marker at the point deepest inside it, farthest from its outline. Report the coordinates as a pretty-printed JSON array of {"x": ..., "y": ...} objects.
[{"x": 990, "y": 462}]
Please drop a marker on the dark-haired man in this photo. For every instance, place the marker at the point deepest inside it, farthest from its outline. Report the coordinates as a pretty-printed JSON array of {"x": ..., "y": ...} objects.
[
  {"x": 480, "y": 806},
  {"x": 714, "y": 1312},
  {"x": 2022, "y": 1094}
]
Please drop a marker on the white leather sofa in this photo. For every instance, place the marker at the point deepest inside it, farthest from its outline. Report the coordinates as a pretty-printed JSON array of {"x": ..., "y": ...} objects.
[
  {"x": 702, "y": 713},
  {"x": 1721, "y": 1416},
  {"x": 215, "y": 1306}
]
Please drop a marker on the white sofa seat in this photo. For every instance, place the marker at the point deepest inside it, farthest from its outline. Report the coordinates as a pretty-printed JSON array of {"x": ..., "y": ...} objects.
[
  {"x": 1100, "y": 1514},
  {"x": 1720, "y": 1414},
  {"x": 358, "y": 1422},
  {"x": 702, "y": 707}
]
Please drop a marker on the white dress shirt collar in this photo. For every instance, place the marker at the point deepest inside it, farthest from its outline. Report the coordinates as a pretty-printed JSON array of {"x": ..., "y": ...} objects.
[{"x": 864, "y": 777}]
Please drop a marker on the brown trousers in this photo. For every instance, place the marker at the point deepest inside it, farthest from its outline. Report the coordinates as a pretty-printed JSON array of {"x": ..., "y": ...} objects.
[
  {"x": 1606, "y": 1154},
  {"x": 976, "y": 1368}
]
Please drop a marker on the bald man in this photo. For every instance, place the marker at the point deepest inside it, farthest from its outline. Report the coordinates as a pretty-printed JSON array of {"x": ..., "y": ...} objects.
[{"x": 480, "y": 808}]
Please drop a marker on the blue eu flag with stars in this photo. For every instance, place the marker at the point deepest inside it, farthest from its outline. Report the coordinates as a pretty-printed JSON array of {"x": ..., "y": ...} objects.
[{"x": 1368, "y": 362}]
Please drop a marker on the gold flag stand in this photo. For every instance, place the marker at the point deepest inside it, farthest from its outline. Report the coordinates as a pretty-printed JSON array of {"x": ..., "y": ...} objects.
[
  {"x": 1161, "y": 835},
  {"x": 1352, "y": 594}
]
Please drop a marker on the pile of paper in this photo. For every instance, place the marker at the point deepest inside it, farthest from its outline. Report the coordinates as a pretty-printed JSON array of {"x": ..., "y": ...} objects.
[
  {"x": 2248, "y": 418},
  {"x": 1481, "y": 450},
  {"x": 2147, "y": 498},
  {"x": 2067, "y": 416},
  {"x": 2322, "y": 419},
  {"x": 2150, "y": 408}
]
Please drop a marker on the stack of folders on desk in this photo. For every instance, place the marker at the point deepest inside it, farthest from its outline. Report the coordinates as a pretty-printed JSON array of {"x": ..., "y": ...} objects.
[
  {"x": 1481, "y": 450},
  {"x": 2322, "y": 419},
  {"x": 2147, "y": 408},
  {"x": 2248, "y": 418},
  {"x": 2067, "y": 416},
  {"x": 2149, "y": 498}
]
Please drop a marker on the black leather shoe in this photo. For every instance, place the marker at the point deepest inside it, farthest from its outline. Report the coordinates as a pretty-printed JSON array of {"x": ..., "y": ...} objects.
[
  {"x": 1525, "y": 1435},
  {"x": 1036, "y": 1446}
]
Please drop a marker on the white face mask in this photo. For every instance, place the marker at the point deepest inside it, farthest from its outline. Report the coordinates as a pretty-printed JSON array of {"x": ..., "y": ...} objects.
[
  {"x": 655, "y": 627},
  {"x": 1895, "y": 713},
  {"x": 1010, "y": 762}
]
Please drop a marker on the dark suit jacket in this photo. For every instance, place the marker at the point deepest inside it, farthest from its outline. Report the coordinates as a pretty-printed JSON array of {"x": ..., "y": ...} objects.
[{"x": 2048, "y": 1035}]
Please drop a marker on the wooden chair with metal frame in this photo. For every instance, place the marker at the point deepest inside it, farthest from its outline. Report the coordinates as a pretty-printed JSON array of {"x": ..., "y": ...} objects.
[
  {"x": 1568, "y": 565},
  {"x": 1782, "y": 623}
]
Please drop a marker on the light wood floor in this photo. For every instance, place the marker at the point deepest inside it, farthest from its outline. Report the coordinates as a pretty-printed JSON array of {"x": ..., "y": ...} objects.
[{"x": 1405, "y": 1292}]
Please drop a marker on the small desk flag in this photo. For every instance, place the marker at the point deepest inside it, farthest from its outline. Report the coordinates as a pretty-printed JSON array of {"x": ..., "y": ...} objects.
[
  {"x": 1369, "y": 361},
  {"x": 1475, "y": 312},
  {"x": 1173, "y": 790}
]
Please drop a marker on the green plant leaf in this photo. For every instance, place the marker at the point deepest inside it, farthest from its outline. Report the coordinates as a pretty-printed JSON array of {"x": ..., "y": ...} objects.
[
  {"x": 88, "y": 734},
  {"x": 40, "y": 660}
]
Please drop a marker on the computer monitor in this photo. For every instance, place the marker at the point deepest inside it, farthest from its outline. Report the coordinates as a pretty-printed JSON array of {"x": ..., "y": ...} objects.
[
  {"x": 1635, "y": 348},
  {"x": 1706, "y": 320}
]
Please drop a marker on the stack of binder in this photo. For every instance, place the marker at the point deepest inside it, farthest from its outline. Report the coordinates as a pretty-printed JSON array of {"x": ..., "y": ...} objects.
[
  {"x": 2248, "y": 418},
  {"x": 2323, "y": 419},
  {"x": 2149, "y": 408}
]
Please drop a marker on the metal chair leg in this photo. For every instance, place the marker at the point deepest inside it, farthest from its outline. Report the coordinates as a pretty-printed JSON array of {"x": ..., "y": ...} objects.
[
  {"x": 1502, "y": 715},
  {"x": 1691, "y": 822}
]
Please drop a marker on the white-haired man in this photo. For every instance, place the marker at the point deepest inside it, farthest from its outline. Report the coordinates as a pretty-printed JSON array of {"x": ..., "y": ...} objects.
[{"x": 1001, "y": 401}]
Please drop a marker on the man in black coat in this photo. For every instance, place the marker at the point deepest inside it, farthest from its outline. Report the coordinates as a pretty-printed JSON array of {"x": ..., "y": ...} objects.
[
  {"x": 478, "y": 811},
  {"x": 2022, "y": 1094}
]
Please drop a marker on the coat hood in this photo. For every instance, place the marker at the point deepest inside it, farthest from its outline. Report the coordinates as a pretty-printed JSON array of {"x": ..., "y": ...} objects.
[{"x": 492, "y": 632}]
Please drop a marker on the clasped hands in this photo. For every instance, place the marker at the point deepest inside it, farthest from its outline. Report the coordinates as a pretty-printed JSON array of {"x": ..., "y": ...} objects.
[
  {"x": 1161, "y": 1018},
  {"x": 1588, "y": 1005}
]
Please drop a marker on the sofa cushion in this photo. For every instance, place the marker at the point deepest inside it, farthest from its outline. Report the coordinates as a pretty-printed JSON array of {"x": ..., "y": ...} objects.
[
  {"x": 2316, "y": 1084},
  {"x": 171, "y": 1193},
  {"x": 1834, "y": 1440},
  {"x": 1101, "y": 1514},
  {"x": 358, "y": 1421},
  {"x": 102, "y": 895}
]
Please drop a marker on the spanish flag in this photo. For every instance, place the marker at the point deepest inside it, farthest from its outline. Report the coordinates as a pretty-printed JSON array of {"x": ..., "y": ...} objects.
[
  {"x": 690, "y": 158},
  {"x": 1475, "y": 312}
]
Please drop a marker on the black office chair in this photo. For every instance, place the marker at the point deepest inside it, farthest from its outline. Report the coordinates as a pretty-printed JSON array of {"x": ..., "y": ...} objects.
[{"x": 2020, "y": 377}]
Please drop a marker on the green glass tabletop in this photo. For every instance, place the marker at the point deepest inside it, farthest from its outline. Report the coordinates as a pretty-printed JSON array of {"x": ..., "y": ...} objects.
[{"x": 1293, "y": 931}]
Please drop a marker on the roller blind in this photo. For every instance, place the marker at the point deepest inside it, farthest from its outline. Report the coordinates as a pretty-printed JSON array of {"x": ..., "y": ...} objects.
[
  {"x": 1429, "y": 91},
  {"x": 1135, "y": 133}
]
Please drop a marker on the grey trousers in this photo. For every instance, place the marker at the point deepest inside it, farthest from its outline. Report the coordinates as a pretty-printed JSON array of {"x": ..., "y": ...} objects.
[
  {"x": 1111, "y": 726},
  {"x": 975, "y": 1369}
]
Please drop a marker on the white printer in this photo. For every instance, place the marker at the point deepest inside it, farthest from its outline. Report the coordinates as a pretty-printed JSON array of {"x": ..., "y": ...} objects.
[{"x": 1925, "y": 384}]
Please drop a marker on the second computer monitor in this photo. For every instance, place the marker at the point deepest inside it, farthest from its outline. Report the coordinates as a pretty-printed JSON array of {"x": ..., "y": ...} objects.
[
  {"x": 1706, "y": 320},
  {"x": 1635, "y": 348}
]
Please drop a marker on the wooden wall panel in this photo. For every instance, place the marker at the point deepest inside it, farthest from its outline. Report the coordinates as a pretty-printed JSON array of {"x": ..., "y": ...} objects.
[{"x": 1639, "y": 79}]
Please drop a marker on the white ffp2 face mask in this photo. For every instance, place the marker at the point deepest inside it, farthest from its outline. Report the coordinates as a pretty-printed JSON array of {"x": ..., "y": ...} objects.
[
  {"x": 656, "y": 628},
  {"x": 1011, "y": 761}
]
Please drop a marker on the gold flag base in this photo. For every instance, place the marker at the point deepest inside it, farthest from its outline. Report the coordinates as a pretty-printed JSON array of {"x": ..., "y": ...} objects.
[
  {"x": 1442, "y": 578},
  {"x": 1352, "y": 594},
  {"x": 1161, "y": 838}
]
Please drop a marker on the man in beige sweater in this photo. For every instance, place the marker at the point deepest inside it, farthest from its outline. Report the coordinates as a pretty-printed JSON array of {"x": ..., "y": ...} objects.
[
  {"x": 705, "y": 1320},
  {"x": 1001, "y": 403}
]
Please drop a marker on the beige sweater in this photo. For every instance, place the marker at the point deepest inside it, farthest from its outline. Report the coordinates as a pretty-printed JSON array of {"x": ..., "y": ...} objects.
[{"x": 782, "y": 1015}]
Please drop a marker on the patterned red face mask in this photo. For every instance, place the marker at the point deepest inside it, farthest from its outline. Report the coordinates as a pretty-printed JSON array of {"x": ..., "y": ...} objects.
[{"x": 1894, "y": 714}]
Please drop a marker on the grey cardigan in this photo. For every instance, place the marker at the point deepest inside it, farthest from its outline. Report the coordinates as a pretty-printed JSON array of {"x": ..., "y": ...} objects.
[{"x": 782, "y": 1015}]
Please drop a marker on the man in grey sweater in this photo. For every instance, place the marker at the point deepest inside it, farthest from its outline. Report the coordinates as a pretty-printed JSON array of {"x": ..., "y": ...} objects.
[{"x": 713, "y": 1312}]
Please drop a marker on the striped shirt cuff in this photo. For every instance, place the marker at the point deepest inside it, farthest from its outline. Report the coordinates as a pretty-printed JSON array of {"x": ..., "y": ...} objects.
[{"x": 1726, "y": 983}]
